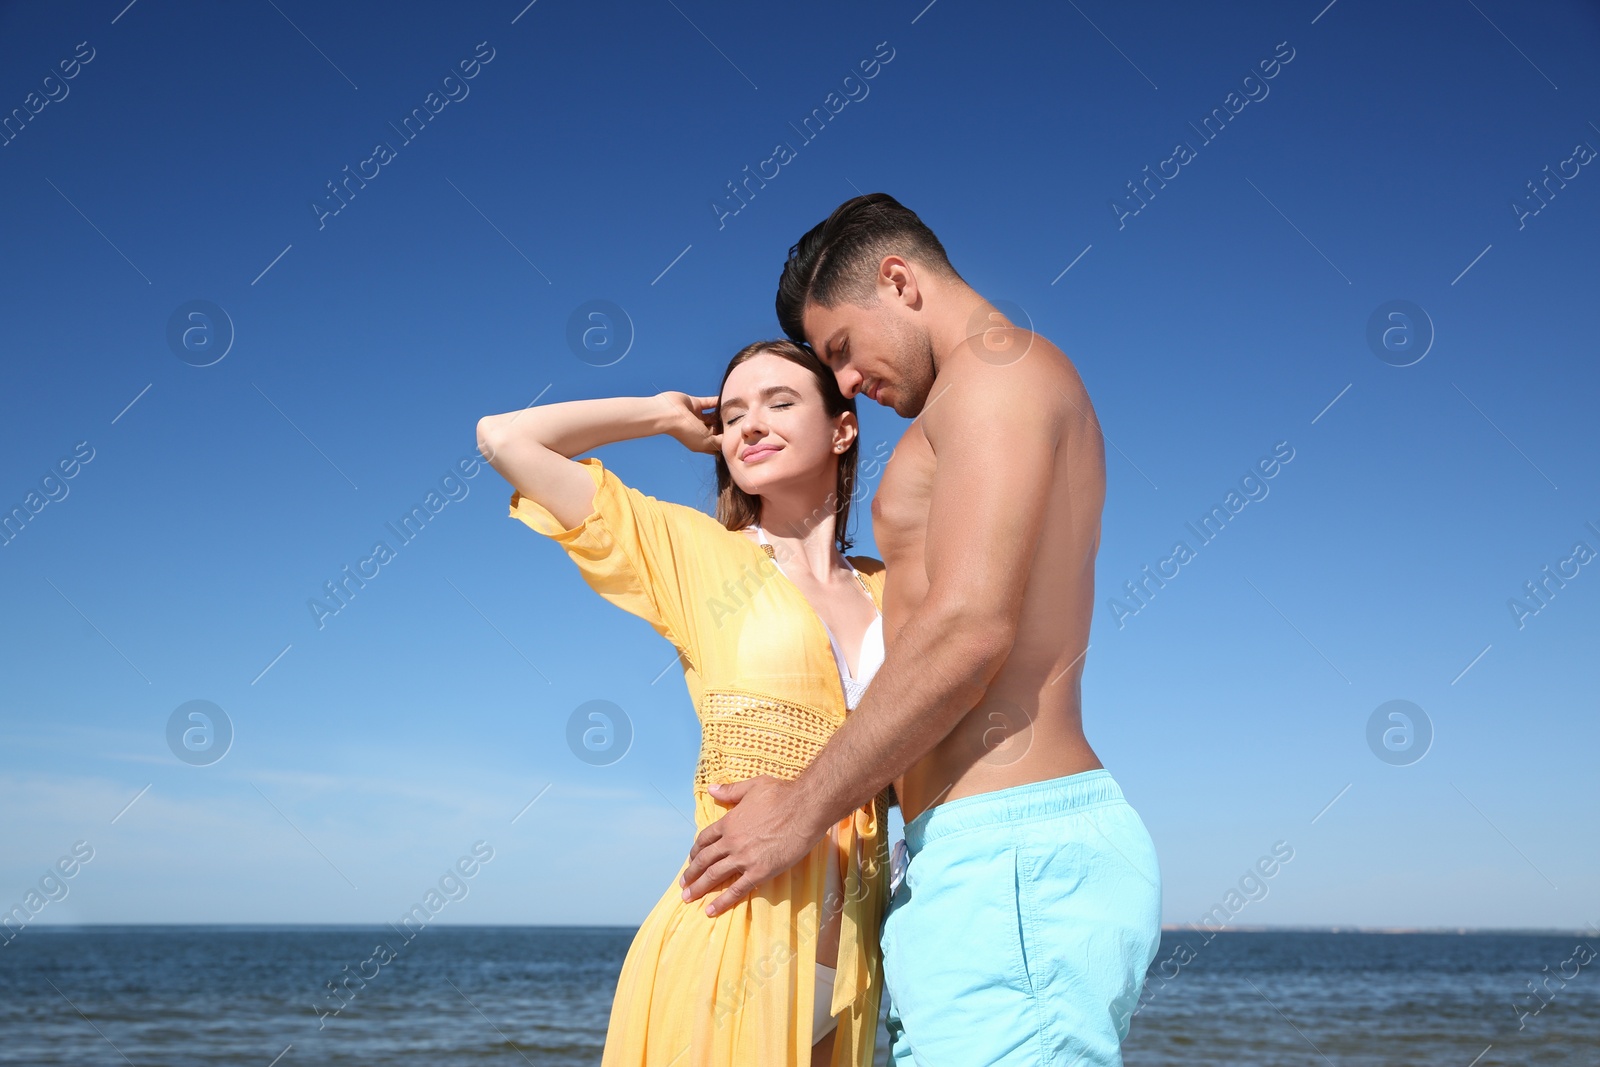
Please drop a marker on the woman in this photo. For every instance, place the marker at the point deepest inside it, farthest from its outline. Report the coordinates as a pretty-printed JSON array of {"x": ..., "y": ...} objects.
[{"x": 768, "y": 615}]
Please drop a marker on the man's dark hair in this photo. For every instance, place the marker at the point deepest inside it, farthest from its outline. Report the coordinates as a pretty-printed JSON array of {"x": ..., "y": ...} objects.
[{"x": 837, "y": 260}]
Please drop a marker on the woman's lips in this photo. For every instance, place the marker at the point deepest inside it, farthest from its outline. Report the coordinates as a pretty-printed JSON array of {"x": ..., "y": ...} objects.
[{"x": 756, "y": 452}]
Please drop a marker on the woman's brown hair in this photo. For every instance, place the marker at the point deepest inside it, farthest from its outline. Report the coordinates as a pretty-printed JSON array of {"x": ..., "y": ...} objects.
[{"x": 736, "y": 508}]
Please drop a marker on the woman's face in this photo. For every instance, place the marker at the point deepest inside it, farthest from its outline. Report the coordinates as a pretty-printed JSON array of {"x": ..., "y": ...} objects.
[{"x": 775, "y": 429}]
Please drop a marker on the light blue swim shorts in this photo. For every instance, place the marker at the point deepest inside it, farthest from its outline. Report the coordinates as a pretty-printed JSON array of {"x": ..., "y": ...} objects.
[{"x": 1023, "y": 928}]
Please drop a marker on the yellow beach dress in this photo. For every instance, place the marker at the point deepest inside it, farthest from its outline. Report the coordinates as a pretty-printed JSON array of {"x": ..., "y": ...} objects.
[{"x": 735, "y": 990}]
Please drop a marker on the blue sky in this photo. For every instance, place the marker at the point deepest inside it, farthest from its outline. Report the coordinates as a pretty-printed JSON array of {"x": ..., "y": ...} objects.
[{"x": 588, "y": 158}]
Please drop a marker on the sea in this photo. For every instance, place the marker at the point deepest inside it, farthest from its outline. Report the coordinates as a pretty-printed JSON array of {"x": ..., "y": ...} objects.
[{"x": 185, "y": 996}]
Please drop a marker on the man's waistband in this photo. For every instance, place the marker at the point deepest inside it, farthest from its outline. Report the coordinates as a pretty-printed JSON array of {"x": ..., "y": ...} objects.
[{"x": 1018, "y": 803}]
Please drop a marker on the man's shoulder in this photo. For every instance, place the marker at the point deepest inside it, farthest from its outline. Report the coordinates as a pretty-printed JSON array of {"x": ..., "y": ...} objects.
[
  {"x": 1008, "y": 357},
  {"x": 1014, "y": 375}
]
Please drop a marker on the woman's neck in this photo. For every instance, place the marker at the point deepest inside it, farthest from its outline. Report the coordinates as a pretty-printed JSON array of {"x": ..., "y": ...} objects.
[{"x": 802, "y": 533}]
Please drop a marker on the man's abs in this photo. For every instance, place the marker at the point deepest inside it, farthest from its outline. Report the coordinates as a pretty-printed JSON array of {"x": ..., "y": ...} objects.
[{"x": 1028, "y": 726}]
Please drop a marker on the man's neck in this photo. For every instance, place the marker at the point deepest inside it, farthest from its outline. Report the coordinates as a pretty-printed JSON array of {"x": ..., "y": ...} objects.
[{"x": 953, "y": 317}]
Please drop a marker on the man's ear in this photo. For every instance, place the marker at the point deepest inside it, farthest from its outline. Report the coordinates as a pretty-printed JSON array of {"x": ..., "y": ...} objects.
[{"x": 897, "y": 282}]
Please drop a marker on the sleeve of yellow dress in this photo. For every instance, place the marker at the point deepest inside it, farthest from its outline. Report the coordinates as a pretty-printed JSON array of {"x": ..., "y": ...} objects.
[{"x": 632, "y": 549}]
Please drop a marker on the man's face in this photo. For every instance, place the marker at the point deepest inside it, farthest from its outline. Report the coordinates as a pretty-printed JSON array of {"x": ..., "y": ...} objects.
[{"x": 872, "y": 352}]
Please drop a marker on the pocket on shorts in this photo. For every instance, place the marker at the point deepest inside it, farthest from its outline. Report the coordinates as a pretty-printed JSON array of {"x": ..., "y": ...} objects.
[
  {"x": 953, "y": 947},
  {"x": 1027, "y": 909},
  {"x": 1089, "y": 896}
]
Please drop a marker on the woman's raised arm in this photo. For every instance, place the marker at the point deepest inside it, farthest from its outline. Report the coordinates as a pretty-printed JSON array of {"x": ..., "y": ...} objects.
[{"x": 534, "y": 448}]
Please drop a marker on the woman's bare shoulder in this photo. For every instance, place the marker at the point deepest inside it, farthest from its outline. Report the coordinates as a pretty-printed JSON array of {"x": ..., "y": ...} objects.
[{"x": 868, "y": 565}]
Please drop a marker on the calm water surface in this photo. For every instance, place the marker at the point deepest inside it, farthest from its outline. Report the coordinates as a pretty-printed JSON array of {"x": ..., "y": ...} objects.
[{"x": 185, "y": 996}]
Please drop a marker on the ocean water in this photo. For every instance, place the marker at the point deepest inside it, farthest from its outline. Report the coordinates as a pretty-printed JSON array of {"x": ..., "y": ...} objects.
[
  {"x": 1276, "y": 999},
  {"x": 183, "y": 996}
]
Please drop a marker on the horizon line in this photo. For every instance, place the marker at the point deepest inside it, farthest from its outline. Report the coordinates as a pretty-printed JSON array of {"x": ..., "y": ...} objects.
[{"x": 1166, "y": 928}]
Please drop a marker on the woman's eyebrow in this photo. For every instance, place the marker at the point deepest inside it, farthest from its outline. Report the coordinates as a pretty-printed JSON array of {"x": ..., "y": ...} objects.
[{"x": 767, "y": 393}]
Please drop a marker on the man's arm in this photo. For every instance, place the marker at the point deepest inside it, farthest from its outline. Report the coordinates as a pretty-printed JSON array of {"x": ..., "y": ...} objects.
[{"x": 994, "y": 431}]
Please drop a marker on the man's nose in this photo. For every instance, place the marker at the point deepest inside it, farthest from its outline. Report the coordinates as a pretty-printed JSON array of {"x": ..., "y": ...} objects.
[{"x": 850, "y": 381}]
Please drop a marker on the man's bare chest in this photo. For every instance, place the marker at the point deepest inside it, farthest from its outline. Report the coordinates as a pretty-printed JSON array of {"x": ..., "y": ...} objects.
[{"x": 900, "y": 507}]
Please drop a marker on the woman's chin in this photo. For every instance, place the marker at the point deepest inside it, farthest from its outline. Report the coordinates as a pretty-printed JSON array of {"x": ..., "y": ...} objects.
[
  {"x": 758, "y": 481},
  {"x": 750, "y": 483}
]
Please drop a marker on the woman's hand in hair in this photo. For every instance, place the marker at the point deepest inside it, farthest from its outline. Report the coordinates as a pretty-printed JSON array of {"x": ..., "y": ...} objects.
[{"x": 690, "y": 424}]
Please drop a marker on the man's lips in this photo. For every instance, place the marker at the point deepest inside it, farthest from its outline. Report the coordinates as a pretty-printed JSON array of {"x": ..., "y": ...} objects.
[{"x": 755, "y": 452}]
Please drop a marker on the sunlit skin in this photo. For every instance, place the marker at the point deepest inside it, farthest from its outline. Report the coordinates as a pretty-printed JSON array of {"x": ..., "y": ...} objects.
[{"x": 988, "y": 521}]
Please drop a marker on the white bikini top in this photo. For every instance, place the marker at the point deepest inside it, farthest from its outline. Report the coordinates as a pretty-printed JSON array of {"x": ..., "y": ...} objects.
[{"x": 870, "y": 656}]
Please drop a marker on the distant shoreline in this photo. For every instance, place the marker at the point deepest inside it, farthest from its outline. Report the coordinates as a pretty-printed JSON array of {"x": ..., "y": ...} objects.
[{"x": 1174, "y": 928}]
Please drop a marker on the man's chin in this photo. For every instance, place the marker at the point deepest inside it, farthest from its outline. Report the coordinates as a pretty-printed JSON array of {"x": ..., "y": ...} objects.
[{"x": 907, "y": 407}]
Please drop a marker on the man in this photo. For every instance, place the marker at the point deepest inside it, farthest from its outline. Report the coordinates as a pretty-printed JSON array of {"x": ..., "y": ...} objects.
[{"x": 1030, "y": 909}]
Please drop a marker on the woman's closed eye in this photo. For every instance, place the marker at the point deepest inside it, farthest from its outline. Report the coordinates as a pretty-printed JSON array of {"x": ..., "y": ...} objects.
[{"x": 780, "y": 404}]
